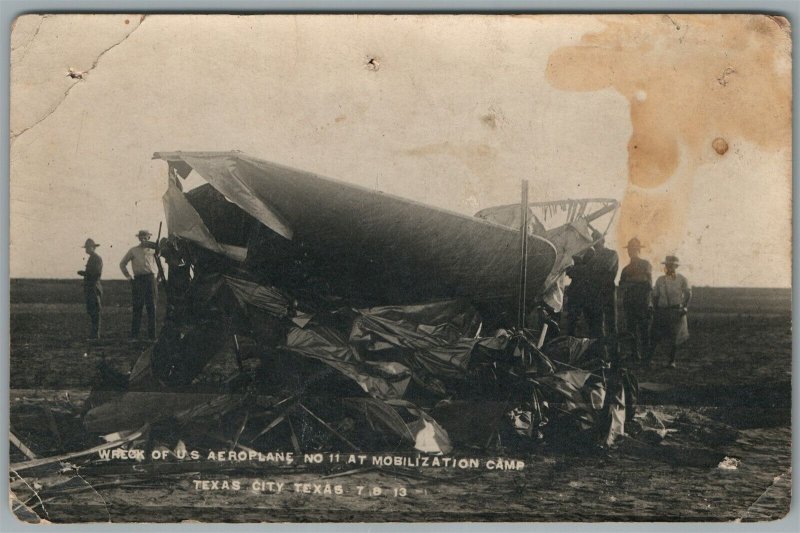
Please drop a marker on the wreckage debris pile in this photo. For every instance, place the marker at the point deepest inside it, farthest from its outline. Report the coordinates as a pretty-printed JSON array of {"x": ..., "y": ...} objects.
[{"x": 421, "y": 377}]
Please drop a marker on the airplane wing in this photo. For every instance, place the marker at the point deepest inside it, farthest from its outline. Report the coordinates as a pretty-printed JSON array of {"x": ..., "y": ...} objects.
[{"x": 375, "y": 246}]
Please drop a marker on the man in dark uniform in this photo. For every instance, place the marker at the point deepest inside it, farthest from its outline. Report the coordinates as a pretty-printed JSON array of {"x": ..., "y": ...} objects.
[
  {"x": 600, "y": 307},
  {"x": 636, "y": 282},
  {"x": 92, "y": 289},
  {"x": 173, "y": 250},
  {"x": 577, "y": 290}
]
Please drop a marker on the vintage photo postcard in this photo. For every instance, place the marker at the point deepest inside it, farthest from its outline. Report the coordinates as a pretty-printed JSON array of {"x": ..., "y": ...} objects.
[{"x": 373, "y": 268}]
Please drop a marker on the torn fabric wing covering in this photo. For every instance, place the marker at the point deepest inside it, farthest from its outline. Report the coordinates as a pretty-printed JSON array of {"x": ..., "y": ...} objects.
[
  {"x": 569, "y": 240},
  {"x": 373, "y": 246},
  {"x": 380, "y": 379},
  {"x": 263, "y": 297},
  {"x": 439, "y": 335},
  {"x": 510, "y": 216},
  {"x": 224, "y": 175},
  {"x": 184, "y": 221}
]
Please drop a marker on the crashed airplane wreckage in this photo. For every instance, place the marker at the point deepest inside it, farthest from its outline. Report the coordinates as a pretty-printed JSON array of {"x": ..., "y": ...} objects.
[{"x": 362, "y": 320}]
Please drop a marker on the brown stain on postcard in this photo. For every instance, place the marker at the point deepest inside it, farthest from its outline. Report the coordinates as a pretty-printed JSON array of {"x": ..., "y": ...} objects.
[{"x": 697, "y": 86}]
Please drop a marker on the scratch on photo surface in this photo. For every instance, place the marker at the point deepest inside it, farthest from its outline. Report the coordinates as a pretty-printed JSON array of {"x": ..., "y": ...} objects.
[
  {"x": 775, "y": 480},
  {"x": 33, "y": 490},
  {"x": 82, "y": 77}
]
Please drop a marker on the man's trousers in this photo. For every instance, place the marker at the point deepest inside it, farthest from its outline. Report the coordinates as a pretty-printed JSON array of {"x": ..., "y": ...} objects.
[
  {"x": 144, "y": 294},
  {"x": 94, "y": 306}
]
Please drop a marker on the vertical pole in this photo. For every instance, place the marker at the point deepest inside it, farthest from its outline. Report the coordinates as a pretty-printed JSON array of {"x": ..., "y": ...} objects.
[
  {"x": 238, "y": 352},
  {"x": 523, "y": 270}
]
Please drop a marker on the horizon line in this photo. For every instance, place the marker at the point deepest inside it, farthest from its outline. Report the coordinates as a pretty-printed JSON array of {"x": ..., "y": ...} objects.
[{"x": 76, "y": 279}]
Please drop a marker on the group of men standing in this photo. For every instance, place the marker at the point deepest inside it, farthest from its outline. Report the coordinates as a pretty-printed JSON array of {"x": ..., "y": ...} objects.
[
  {"x": 652, "y": 313},
  {"x": 144, "y": 287}
]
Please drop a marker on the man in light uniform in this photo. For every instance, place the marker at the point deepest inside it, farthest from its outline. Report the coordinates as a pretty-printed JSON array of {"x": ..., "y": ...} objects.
[
  {"x": 144, "y": 290},
  {"x": 671, "y": 297}
]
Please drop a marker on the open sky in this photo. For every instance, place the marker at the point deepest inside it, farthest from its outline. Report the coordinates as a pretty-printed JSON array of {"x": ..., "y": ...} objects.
[{"x": 685, "y": 119}]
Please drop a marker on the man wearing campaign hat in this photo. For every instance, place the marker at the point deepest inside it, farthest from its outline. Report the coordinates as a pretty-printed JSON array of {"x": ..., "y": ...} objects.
[
  {"x": 636, "y": 284},
  {"x": 600, "y": 307},
  {"x": 92, "y": 289},
  {"x": 144, "y": 291},
  {"x": 671, "y": 296}
]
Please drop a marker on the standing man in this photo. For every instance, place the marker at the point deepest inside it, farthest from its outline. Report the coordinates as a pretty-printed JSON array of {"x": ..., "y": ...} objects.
[
  {"x": 671, "y": 297},
  {"x": 144, "y": 290},
  {"x": 636, "y": 282},
  {"x": 178, "y": 277},
  {"x": 577, "y": 291},
  {"x": 92, "y": 289},
  {"x": 601, "y": 303}
]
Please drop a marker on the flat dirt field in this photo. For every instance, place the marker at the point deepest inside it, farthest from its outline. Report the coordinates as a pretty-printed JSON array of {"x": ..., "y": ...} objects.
[{"x": 727, "y": 404}]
